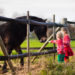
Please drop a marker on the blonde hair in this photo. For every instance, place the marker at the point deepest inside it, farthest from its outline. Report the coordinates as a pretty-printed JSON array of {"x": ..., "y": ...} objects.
[
  {"x": 64, "y": 29},
  {"x": 59, "y": 34}
]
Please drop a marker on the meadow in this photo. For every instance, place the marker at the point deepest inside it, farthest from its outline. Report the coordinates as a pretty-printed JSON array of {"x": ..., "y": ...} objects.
[{"x": 45, "y": 64}]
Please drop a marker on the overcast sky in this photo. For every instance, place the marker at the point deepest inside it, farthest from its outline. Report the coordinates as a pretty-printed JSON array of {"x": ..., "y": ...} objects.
[{"x": 41, "y": 8}]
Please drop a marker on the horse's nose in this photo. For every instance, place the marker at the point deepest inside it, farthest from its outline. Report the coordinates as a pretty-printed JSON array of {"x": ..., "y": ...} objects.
[{"x": 43, "y": 39}]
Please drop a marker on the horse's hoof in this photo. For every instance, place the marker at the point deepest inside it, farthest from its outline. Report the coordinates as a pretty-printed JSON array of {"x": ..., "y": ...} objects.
[
  {"x": 4, "y": 69},
  {"x": 22, "y": 64}
]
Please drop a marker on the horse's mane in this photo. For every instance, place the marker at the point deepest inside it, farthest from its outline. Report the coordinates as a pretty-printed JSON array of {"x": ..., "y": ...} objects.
[{"x": 32, "y": 18}]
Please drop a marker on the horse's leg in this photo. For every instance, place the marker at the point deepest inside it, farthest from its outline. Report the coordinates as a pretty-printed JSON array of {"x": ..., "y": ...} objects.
[
  {"x": 18, "y": 49},
  {"x": 5, "y": 64}
]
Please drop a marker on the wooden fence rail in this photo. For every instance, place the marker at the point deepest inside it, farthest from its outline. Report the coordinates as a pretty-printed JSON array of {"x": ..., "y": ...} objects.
[
  {"x": 24, "y": 21},
  {"x": 37, "y": 48},
  {"x": 2, "y": 58},
  {"x": 70, "y": 22}
]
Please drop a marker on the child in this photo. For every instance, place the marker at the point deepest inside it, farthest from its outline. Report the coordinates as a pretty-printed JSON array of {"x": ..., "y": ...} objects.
[
  {"x": 60, "y": 46},
  {"x": 67, "y": 48}
]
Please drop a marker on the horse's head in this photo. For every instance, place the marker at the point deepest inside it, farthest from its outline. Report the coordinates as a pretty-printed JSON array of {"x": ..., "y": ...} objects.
[{"x": 40, "y": 30}]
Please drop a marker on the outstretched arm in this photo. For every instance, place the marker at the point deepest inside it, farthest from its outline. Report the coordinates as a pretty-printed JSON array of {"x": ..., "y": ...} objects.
[{"x": 52, "y": 41}]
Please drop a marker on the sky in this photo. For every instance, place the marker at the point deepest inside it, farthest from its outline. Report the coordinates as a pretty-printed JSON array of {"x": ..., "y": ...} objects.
[{"x": 40, "y": 8}]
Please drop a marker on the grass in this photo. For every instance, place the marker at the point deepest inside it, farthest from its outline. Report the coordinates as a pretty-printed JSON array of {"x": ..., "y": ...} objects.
[
  {"x": 48, "y": 66},
  {"x": 55, "y": 68},
  {"x": 72, "y": 43},
  {"x": 34, "y": 43}
]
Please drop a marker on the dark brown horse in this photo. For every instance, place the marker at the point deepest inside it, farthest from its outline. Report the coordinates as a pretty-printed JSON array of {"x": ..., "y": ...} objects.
[{"x": 13, "y": 34}]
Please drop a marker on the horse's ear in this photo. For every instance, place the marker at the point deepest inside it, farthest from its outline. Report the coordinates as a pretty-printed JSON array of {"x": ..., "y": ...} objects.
[{"x": 45, "y": 20}]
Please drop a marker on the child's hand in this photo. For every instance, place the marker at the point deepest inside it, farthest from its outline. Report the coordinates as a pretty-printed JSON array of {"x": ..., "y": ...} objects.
[{"x": 49, "y": 41}]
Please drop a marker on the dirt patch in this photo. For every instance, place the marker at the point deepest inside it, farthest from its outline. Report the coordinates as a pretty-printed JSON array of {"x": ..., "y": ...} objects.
[{"x": 35, "y": 68}]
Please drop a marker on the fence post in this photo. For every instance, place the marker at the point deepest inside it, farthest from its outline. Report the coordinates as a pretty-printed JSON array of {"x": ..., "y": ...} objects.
[
  {"x": 28, "y": 26},
  {"x": 64, "y": 21},
  {"x": 6, "y": 54},
  {"x": 54, "y": 35}
]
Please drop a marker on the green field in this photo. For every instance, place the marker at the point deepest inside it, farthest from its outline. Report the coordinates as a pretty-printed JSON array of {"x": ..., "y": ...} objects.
[{"x": 35, "y": 43}]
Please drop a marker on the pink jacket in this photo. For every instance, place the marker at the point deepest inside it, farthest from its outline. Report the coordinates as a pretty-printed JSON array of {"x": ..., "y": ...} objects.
[
  {"x": 60, "y": 46},
  {"x": 66, "y": 41},
  {"x": 67, "y": 47}
]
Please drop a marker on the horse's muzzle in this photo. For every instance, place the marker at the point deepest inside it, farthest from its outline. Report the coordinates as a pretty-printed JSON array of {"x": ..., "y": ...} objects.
[{"x": 43, "y": 39}]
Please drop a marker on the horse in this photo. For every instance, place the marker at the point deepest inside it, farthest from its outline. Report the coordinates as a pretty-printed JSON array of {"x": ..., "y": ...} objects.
[{"x": 14, "y": 33}]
